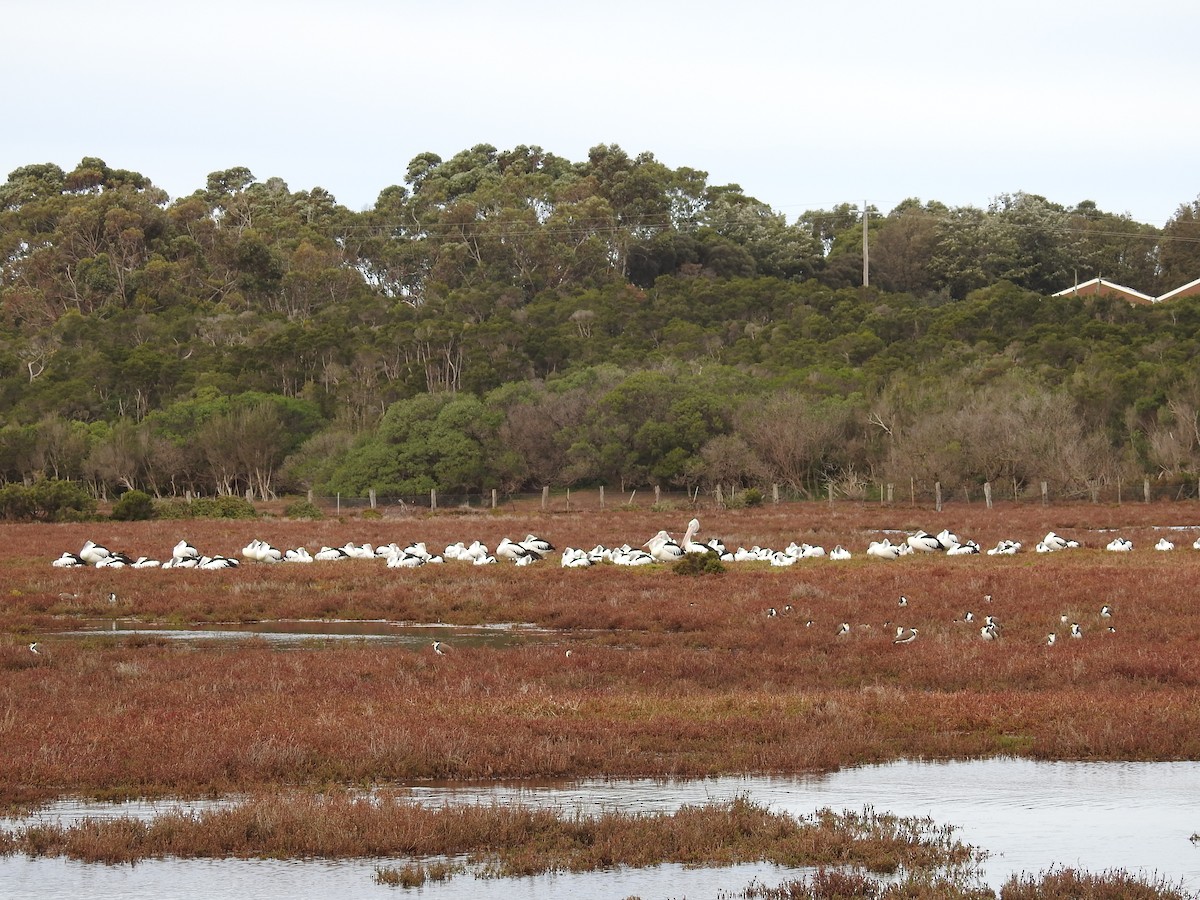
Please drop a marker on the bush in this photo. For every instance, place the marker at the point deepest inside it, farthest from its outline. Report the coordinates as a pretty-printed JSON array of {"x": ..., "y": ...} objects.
[
  {"x": 226, "y": 507},
  {"x": 302, "y": 509},
  {"x": 699, "y": 564},
  {"x": 50, "y": 500},
  {"x": 133, "y": 506}
]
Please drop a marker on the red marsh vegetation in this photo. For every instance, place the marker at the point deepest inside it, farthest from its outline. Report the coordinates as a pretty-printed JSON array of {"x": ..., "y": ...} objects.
[{"x": 667, "y": 676}]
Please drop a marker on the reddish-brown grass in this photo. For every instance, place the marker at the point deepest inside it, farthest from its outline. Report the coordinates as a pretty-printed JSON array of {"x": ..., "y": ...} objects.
[{"x": 668, "y": 676}]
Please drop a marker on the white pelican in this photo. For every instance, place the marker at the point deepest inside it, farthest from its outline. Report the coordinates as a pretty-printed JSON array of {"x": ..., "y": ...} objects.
[
  {"x": 68, "y": 561},
  {"x": 1005, "y": 548},
  {"x": 989, "y": 632},
  {"x": 903, "y": 601},
  {"x": 970, "y": 547},
  {"x": 184, "y": 550},
  {"x": 1106, "y": 612},
  {"x": 1196, "y": 546},
  {"x": 33, "y": 648},
  {"x": 925, "y": 542},
  {"x": 844, "y": 628},
  {"x": 663, "y": 548},
  {"x": 439, "y": 648},
  {"x": 1076, "y": 632},
  {"x": 1119, "y": 545},
  {"x": 884, "y": 549},
  {"x": 537, "y": 545},
  {"x": 1164, "y": 544},
  {"x": 92, "y": 553},
  {"x": 1050, "y": 639},
  {"x": 328, "y": 554},
  {"x": 518, "y": 553},
  {"x": 575, "y": 559},
  {"x": 839, "y": 552},
  {"x": 901, "y": 638}
]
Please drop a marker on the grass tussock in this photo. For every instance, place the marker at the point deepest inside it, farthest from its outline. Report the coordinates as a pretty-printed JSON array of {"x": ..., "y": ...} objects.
[{"x": 502, "y": 840}]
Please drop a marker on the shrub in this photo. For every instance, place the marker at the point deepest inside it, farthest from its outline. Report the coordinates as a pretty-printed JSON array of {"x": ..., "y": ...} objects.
[
  {"x": 699, "y": 564},
  {"x": 226, "y": 507},
  {"x": 133, "y": 506},
  {"x": 302, "y": 509},
  {"x": 49, "y": 499}
]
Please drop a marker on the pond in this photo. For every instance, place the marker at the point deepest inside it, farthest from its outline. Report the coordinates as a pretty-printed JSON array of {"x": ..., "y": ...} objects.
[{"x": 1030, "y": 816}]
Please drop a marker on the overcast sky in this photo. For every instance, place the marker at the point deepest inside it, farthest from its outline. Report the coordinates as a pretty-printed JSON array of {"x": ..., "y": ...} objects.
[{"x": 804, "y": 106}]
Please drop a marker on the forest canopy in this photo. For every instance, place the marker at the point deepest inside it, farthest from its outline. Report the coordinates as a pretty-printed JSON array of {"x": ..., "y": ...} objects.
[{"x": 512, "y": 319}]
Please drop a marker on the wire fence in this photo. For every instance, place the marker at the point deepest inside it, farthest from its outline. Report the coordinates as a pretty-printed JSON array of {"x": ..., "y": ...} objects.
[{"x": 912, "y": 494}]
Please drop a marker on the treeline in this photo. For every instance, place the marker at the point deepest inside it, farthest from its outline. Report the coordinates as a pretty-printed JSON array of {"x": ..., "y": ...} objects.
[{"x": 513, "y": 319}]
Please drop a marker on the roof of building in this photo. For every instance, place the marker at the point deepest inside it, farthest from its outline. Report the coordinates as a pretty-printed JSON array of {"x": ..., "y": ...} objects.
[
  {"x": 1190, "y": 288},
  {"x": 1094, "y": 285}
]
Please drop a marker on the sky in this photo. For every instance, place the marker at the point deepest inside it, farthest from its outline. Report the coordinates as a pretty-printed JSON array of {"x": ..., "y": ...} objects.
[{"x": 805, "y": 106}]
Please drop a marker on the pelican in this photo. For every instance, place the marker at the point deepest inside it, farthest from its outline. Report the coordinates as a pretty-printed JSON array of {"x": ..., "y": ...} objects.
[
  {"x": 663, "y": 548},
  {"x": 772, "y": 612},
  {"x": 1076, "y": 632},
  {"x": 885, "y": 549},
  {"x": 91, "y": 553},
  {"x": 573, "y": 558},
  {"x": 33, "y": 648},
  {"x": 925, "y": 542},
  {"x": 1005, "y": 548},
  {"x": 839, "y": 552},
  {"x": 184, "y": 550},
  {"x": 537, "y": 545},
  {"x": 1120, "y": 545},
  {"x": 1106, "y": 612},
  {"x": 903, "y": 601},
  {"x": 1196, "y": 546},
  {"x": 901, "y": 638},
  {"x": 68, "y": 561},
  {"x": 989, "y": 632},
  {"x": 1050, "y": 639},
  {"x": 439, "y": 648},
  {"x": 970, "y": 547},
  {"x": 1164, "y": 544},
  {"x": 518, "y": 553},
  {"x": 844, "y": 628}
]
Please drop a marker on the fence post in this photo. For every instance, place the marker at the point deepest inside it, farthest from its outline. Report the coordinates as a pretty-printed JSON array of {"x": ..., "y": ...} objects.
[
  {"x": 602, "y": 496},
  {"x": 568, "y": 499},
  {"x": 433, "y": 498},
  {"x": 720, "y": 499},
  {"x": 657, "y": 494},
  {"x": 371, "y": 495},
  {"x": 1146, "y": 488},
  {"x": 310, "y": 496},
  {"x": 338, "y": 507},
  {"x": 545, "y": 496},
  {"x": 937, "y": 496},
  {"x": 890, "y": 492},
  {"x": 493, "y": 498},
  {"x": 774, "y": 493},
  {"x": 1045, "y": 493},
  {"x": 987, "y": 494}
]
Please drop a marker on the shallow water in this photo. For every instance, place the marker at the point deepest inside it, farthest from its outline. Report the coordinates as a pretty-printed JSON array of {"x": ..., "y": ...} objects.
[
  {"x": 298, "y": 632},
  {"x": 1031, "y": 816}
]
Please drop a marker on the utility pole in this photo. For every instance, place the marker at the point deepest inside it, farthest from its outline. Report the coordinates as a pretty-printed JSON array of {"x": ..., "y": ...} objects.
[{"x": 866, "y": 266}]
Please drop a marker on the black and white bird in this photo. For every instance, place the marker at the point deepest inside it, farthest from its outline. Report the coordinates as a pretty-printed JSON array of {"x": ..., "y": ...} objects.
[
  {"x": 844, "y": 628},
  {"x": 439, "y": 648},
  {"x": 903, "y": 601},
  {"x": 1076, "y": 631},
  {"x": 1106, "y": 612},
  {"x": 902, "y": 637},
  {"x": 33, "y": 648}
]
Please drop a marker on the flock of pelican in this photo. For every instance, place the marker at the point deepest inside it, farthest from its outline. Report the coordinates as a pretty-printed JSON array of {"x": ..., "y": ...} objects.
[{"x": 661, "y": 548}]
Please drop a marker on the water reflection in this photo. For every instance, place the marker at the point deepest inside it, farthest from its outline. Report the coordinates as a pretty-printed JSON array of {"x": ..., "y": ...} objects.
[
  {"x": 1029, "y": 815},
  {"x": 289, "y": 633}
]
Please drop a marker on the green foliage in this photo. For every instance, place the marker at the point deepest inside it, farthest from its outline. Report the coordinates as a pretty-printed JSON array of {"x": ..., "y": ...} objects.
[
  {"x": 224, "y": 507},
  {"x": 133, "y": 506},
  {"x": 302, "y": 509},
  {"x": 47, "y": 500},
  {"x": 699, "y": 564}
]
